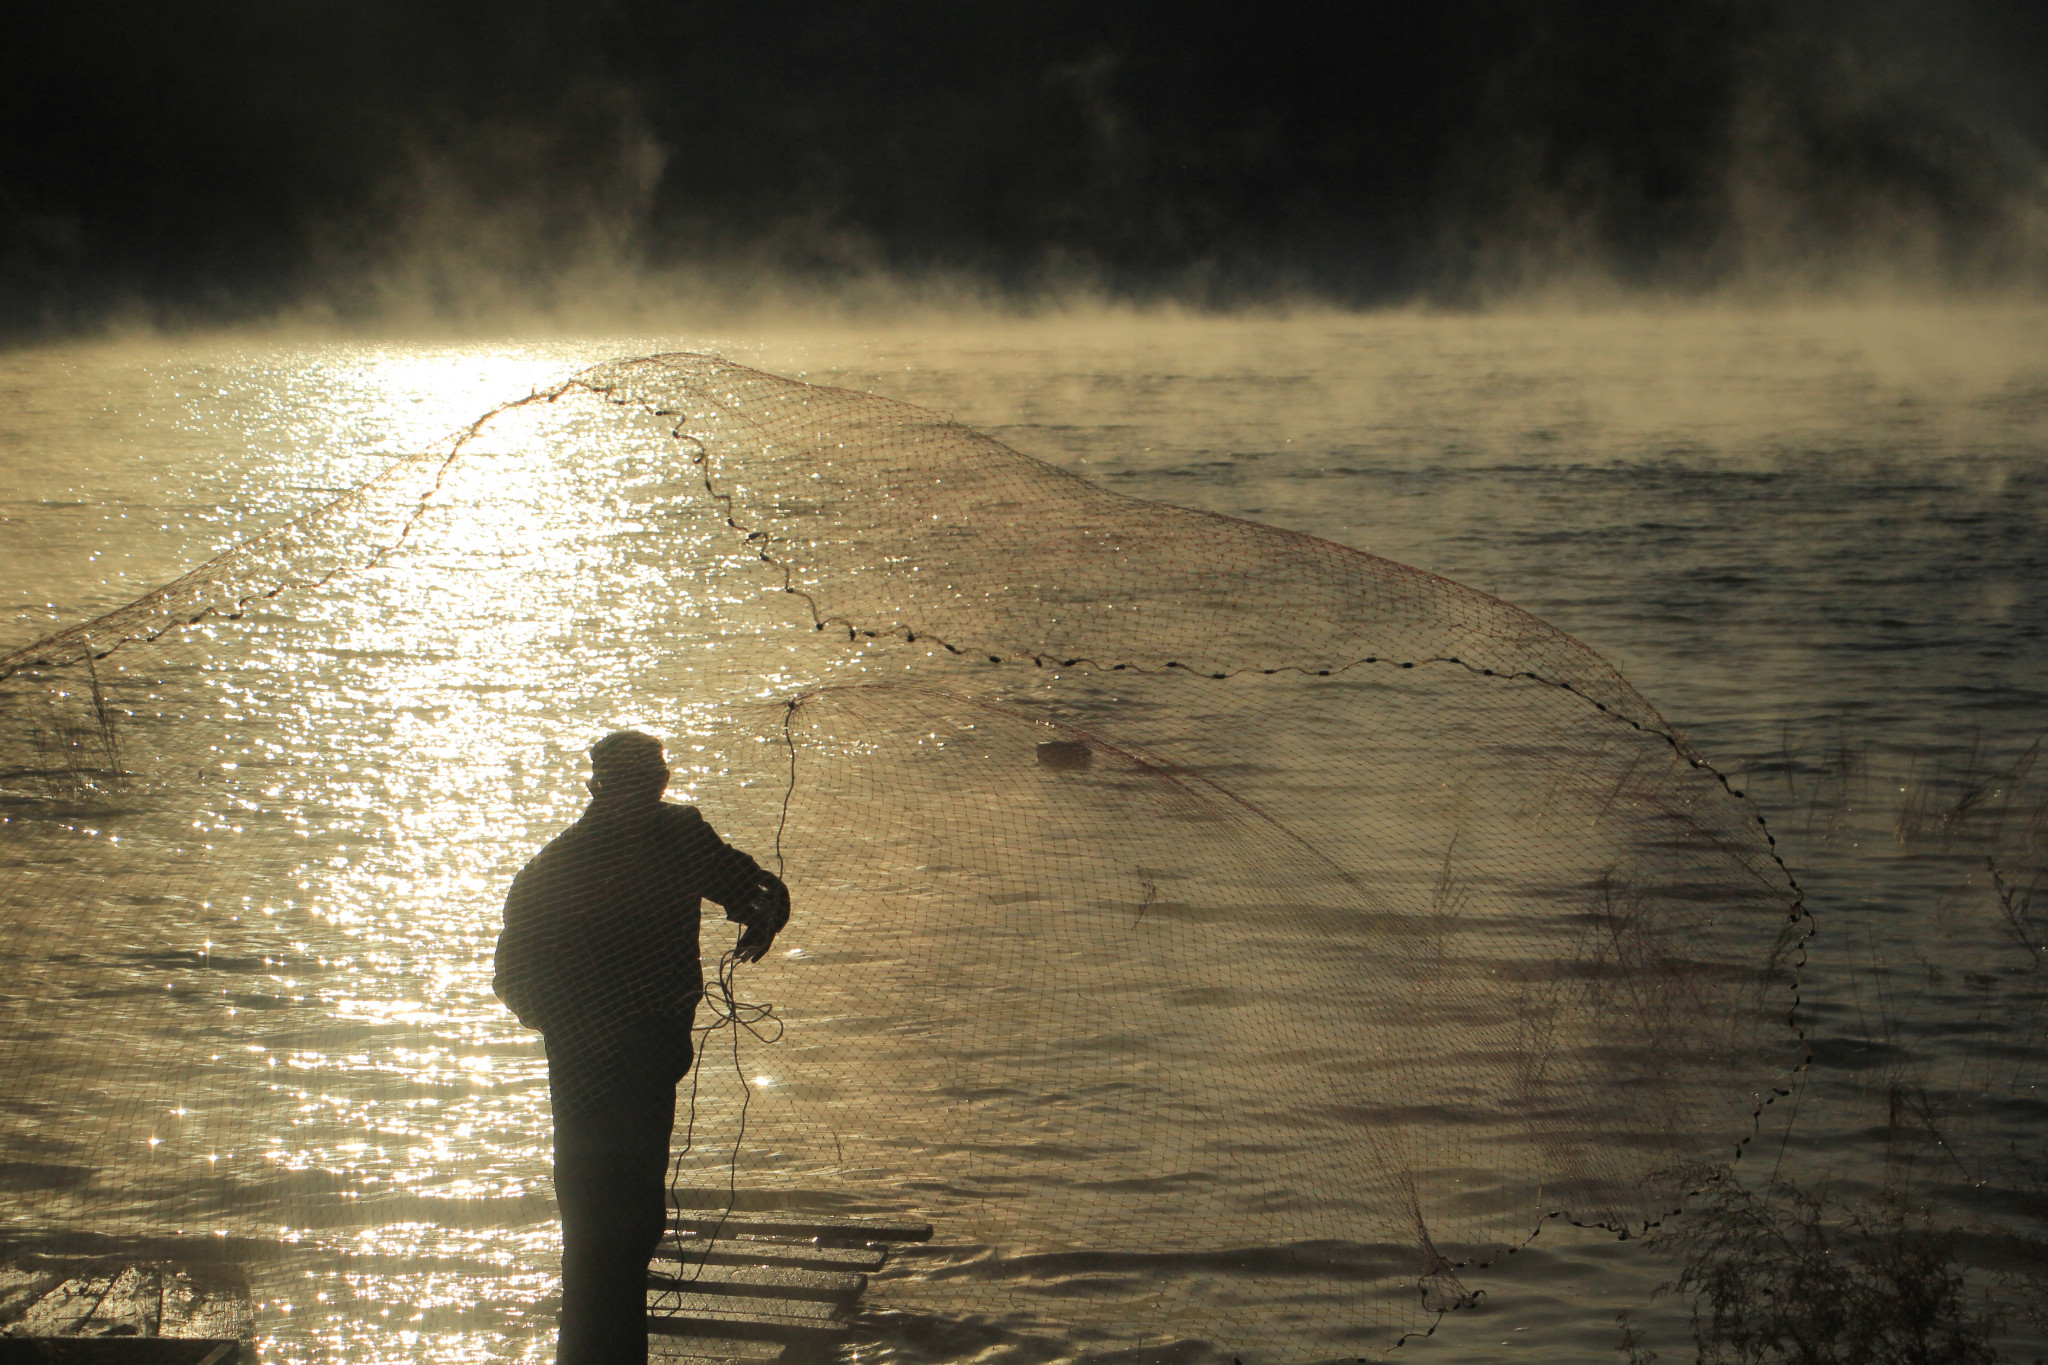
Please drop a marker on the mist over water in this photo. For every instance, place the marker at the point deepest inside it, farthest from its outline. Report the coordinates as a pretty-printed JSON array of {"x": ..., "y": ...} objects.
[
  {"x": 391, "y": 170},
  {"x": 1786, "y": 528}
]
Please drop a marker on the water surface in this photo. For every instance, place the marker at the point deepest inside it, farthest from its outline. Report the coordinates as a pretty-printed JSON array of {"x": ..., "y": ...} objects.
[{"x": 1802, "y": 537}]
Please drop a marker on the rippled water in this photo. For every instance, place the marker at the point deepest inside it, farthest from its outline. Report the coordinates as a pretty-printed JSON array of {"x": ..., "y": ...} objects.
[{"x": 1800, "y": 537}]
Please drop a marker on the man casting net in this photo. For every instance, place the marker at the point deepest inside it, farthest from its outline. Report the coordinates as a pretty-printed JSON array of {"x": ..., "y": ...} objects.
[
  {"x": 1214, "y": 932},
  {"x": 600, "y": 953}
]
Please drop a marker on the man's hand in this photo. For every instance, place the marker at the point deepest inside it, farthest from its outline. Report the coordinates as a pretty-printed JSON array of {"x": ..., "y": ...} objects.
[
  {"x": 753, "y": 945},
  {"x": 764, "y": 920}
]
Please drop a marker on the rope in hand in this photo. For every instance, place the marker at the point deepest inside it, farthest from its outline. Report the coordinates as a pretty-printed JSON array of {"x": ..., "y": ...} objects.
[
  {"x": 762, "y": 1022},
  {"x": 728, "y": 1011}
]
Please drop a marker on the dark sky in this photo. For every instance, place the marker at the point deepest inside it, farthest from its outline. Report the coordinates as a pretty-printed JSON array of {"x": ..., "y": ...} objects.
[{"x": 209, "y": 162}]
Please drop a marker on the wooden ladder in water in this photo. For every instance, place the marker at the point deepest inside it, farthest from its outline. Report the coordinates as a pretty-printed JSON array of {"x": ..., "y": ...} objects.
[{"x": 763, "y": 1288}]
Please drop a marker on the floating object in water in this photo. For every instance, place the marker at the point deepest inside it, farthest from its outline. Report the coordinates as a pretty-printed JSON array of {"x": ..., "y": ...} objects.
[{"x": 1064, "y": 755}]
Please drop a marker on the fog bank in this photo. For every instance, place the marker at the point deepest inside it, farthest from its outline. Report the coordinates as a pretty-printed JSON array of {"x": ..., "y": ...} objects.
[{"x": 538, "y": 166}]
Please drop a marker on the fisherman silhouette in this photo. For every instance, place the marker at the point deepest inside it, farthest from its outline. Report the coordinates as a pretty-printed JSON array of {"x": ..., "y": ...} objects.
[{"x": 600, "y": 953}]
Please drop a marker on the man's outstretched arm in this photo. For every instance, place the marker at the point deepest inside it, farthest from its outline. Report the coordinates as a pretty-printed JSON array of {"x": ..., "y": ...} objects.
[{"x": 751, "y": 895}]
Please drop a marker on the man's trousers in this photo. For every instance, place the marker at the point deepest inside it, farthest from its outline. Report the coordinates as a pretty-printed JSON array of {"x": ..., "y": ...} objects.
[{"x": 611, "y": 1187}]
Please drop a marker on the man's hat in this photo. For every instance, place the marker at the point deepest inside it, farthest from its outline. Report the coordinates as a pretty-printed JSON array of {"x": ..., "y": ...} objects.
[{"x": 625, "y": 755}]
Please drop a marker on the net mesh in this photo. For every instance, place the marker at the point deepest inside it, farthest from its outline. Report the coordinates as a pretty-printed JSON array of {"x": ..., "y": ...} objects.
[{"x": 1213, "y": 931}]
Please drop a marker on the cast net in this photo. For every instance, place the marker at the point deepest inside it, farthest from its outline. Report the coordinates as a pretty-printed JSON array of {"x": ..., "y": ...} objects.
[{"x": 1214, "y": 932}]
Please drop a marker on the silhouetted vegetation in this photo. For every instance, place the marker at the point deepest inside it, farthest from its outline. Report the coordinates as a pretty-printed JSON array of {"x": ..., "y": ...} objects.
[
  {"x": 1923, "y": 1271},
  {"x": 1797, "y": 1277}
]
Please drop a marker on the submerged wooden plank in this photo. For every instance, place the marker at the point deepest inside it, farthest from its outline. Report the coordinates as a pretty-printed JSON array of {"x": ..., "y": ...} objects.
[
  {"x": 21, "y": 1286},
  {"x": 62, "y": 1307},
  {"x": 765, "y": 1282},
  {"x": 206, "y": 1306},
  {"x": 102, "y": 1299},
  {"x": 700, "y": 1315},
  {"x": 119, "y": 1302},
  {"x": 713, "y": 1350},
  {"x": 818, "y": 1312},
  {"x": 759, "y": 1251},
  {"x": 829, "y": 1227}
]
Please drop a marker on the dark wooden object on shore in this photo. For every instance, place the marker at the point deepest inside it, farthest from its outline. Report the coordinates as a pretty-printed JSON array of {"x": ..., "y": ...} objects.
[
  {"x": 762, "y": 1288},
  {"x": 113, "y": 1312}
]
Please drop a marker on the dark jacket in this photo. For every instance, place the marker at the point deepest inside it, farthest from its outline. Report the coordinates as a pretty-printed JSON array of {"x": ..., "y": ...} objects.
[{"x": 599, "y": 950}]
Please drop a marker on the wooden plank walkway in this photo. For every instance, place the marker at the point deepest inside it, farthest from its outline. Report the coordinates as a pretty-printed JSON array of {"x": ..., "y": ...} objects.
[
  {"x": 737, "y": 1289},
  {"x": 124, "y": 1313},
  {"x": 763, "y": 1288}
]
